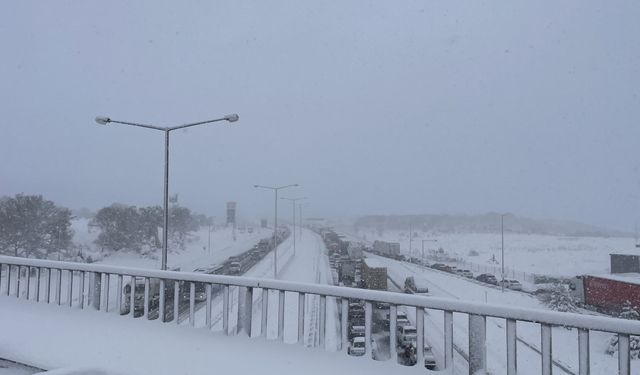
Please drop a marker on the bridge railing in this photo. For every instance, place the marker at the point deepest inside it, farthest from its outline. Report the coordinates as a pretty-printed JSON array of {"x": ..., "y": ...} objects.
[{"x": 89, "y": 285}]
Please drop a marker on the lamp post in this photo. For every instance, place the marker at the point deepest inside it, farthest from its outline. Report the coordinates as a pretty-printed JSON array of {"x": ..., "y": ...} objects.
[
  {"x": 502, "y": 236},
  {"x": 166, "y": 130},
  {"x": 211, "y": 224},
  {"x": 423, "y": 241},
  {"x": 293, "y": 203},
  {"x": 275, "y": 222}
]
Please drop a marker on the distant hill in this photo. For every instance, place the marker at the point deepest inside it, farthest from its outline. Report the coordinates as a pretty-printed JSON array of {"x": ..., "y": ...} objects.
[{"x": 486, "y": 223}]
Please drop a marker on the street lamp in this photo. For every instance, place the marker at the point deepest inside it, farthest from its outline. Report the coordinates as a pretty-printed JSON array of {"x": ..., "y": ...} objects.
[
  {"x": 275, "y": 223},
  {"x": 502, "y": 235},
  {"x": 423, "y": 241},
  {"x": 293, "y": 201},
  {"x": 106, "y": 120}
]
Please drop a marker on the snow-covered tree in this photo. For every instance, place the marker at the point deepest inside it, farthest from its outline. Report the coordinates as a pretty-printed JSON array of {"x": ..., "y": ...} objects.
[
  {"x": 559, "y": 299},
  {"x": 629, "y": 311},
  {"x": 634, "y": 346},
  {"x": 32, "y": 226}
]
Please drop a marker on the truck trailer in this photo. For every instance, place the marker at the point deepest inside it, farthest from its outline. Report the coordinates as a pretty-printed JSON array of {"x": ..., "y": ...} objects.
[{"x": 374, "y": 274}]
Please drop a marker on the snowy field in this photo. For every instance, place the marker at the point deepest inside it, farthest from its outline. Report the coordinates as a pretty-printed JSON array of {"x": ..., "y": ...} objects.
[{"x": 530, "y": 253}]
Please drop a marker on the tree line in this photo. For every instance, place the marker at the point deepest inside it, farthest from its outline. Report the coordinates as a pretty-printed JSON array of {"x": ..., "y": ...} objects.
[{"x": 32, "y": 226}]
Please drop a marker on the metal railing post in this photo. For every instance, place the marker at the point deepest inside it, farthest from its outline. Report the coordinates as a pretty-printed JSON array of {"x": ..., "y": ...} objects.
[
  {"x": 176, "y": 302},
  {"x": 119, "y": 294},
  {"x": 59, "y": 287},
  {"x": 69, "y": 288},
  {"x": 448, "y": 339},
  {"x": 545, "y": 348},
  {"x": 420, "y": 338},
  {"x": 225, "y": 310},
  {"x": 583, "y": 352},
  {"x": 281, "y": 315},
  {"x": 192, "y": 303},
  {"x": 145, "y": 311},
  {"x": 323, "y": 320},
  {"x": 344, "y": 324},
  {"x": 208, "y": 307},
  {"x": 39, "y": 272},
  {"x": 107, "y": 278},
  {"x": 301, "y": 308},
  {"x": 265, "y": 312},
  {"x": 161, "y": 302},
  {"x": 393, "y": 320},
  {"x": 512, "y": 362},
  {"x": 477, "y": 344},
  {"x": 624, "y": 364},
  {"x": 80, "y": 288}
]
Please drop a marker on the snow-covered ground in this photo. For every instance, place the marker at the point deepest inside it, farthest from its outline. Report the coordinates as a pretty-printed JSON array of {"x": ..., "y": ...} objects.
[
  {"x": 196, "y": 253},
  {"x": 565, "y": 341},
  {"x": 530, "y": 253},
  {"x": 117, "y": 345}
]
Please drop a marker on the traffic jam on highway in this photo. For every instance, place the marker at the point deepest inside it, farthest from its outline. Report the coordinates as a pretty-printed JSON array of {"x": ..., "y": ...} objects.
[
  {"x": 236, "y": 265},
  {"x": 353, "y": 264},
  {"x": 351, "y": 267}
]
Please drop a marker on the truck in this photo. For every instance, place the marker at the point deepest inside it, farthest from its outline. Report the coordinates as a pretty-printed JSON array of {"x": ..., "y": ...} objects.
[
  {"x": 374, "y": 274},
  {"x": 413, "y": 287},
  {"x": 347, "y": 271},
  {"x": 354, "y": 250},
  {"x": 387, "y": 249}
]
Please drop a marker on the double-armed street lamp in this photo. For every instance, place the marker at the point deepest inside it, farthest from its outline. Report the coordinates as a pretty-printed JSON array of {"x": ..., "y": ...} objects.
[
  {"x": 106, "y": 120},
  {"x": 293, "y": 203},
  {"x": 275, "y": 223}
]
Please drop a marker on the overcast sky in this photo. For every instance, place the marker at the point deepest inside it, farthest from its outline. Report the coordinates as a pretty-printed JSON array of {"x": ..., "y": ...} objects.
[{"x": 373, "y": 107}]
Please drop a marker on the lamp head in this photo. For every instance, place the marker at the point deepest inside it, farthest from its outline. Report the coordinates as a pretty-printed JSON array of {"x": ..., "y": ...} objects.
[
  {"x": 232, "y": 118},
  {"x": 103, "y": 120}
]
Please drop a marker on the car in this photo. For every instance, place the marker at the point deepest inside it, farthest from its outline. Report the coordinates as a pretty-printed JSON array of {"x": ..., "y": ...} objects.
[
  {"x": 406, "y": 335},
  {"x": 429, "y": 358},
  {"x": 441, "y": 267},
  {"x": 357, "y": 346},
  {"x": 515, "y": 285},
  {"x": 466, "y": 273},
  {"x": 356, "y": 331},
  {"x": 487, "y": 278},
  {"x": 401, "y": 322},
  {"x": 511, "y": 284}
]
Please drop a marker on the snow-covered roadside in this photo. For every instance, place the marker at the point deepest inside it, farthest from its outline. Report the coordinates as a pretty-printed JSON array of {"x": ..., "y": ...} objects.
[{"x": 196, "y": 253}]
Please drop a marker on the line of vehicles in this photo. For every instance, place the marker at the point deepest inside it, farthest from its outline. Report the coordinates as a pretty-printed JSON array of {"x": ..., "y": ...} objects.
[
  {"x": 351, "y": 267},
  {"x": 233, "y": 266},
  {"x": 486, "y": 278}
]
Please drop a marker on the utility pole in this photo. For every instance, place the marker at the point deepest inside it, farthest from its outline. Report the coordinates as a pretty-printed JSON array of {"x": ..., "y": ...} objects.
[
  {"x": 293, "y": 205},
  {"x": 410, "y": 239},
  {"x": 275, "y": 223},
  {"x": 502, "y": 235}
]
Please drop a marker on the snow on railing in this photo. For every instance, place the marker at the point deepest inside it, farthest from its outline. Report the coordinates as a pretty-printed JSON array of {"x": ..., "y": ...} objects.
[{"x": 149, "y": 293}]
